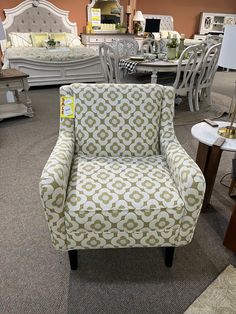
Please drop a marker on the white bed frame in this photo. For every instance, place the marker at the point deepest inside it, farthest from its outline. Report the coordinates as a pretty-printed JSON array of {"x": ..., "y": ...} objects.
[{"x": 47, "y": 17}]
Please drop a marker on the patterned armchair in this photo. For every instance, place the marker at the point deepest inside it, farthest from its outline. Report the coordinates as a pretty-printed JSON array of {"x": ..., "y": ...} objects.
[{"x": 118, "y": 177}]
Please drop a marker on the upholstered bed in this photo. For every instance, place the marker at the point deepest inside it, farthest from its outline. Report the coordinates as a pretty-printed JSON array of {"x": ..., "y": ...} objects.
[{"x": 69, "y": 62}]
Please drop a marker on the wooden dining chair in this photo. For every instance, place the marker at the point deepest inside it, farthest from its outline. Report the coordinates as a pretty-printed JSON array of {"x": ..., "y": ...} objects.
[
  {"x": 206, "y": 73},
  {"x": 126, "y": 48},
  {"x": 150, "y": 45},
  {"x": 110, "y": 65},
  {"x": 187, "y": 69},
  {"x": 109, "y": 62}
]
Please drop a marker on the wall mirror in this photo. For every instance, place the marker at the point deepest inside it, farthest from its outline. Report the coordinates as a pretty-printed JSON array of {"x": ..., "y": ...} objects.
[{"x": 111, "y": 11}]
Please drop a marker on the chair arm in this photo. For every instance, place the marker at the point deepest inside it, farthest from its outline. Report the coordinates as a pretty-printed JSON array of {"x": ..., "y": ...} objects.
[
  {"x": 189, "y": 181},
  {"x": 53, "y": 187}
]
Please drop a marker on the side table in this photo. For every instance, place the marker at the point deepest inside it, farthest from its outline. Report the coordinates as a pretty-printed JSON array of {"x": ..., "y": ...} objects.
[
  {"x": 230, "y": 235},
  {"x": 15, "y": 80},
  {"x": 210, "y": 148}
]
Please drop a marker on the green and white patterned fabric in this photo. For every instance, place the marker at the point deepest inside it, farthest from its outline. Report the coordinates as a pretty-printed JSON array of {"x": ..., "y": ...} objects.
[{"x": 118, "y": 176}]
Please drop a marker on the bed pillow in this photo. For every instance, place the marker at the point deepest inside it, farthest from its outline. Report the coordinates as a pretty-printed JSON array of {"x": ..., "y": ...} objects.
[
  {"x": 38, "y": 39},
  {"x": 20, "y": 39},
  {"x": 164, "y": 34},
  {"x": 61, "y": 37},
  {"x": 73, "y": 40}
]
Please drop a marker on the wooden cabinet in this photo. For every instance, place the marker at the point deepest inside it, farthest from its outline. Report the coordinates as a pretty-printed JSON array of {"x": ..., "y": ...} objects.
[
  {"x": 94, "y": 40},
  {"x": 214, "y": 22}
]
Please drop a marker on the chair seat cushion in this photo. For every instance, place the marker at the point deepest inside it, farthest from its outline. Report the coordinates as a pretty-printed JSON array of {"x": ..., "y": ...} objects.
[{"x": 121, "y": 194}]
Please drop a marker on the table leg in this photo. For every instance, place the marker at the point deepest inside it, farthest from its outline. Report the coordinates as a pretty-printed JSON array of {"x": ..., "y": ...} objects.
[
  {"x": 208, "y": 159},
  {"x": 28, "y": 104},
  {"x": 230, "y": 236},
  {"x": 202, "y": 155},
  {"x": 154, "y": 77}
]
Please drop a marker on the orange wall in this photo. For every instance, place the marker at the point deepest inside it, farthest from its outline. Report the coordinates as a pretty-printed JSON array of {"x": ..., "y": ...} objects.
[
  {"x": 186, "y": 13},
  {"x": 186, "y": 16}
]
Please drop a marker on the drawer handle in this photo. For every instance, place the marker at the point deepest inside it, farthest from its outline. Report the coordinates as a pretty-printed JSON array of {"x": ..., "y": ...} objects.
[{"x": 7, "y": 85}]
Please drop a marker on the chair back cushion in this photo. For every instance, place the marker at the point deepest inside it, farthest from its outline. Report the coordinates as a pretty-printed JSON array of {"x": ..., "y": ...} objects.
[{"x": 117, "y": 119}]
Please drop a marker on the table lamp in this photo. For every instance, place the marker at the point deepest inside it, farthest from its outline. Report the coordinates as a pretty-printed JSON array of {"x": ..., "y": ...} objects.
[
  {"x": 152, "y": 26},
  {"x": 227, "y": 59},
  {"x": 2, "y": 36},
  {"x": 138, "y": 18}
]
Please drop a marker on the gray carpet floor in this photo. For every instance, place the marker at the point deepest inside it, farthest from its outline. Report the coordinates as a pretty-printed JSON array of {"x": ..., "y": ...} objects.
[{"x": 35, "y": 278}]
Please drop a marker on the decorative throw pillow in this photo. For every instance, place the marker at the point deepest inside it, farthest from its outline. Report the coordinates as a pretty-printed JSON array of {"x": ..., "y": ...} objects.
[
  {"x": 61, "y": 37},
  {"x": 73, "y": 40},
  {"x": 38, "y": 39},
  {"x": 164, "y": 34},
  {"x": 20, "y": 39}
]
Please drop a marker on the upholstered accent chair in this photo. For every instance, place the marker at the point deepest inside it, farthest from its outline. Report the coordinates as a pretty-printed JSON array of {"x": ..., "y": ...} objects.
[{"x": 118, "y": 177}]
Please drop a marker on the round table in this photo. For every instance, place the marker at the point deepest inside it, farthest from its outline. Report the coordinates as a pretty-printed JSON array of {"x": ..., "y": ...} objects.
[
  {"x": 211, "y": 145},
  {"x": 157, "y": 66}
]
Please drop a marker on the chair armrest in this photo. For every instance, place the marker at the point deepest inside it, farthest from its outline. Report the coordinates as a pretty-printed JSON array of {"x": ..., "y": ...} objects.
[
  {"x": 53, "y": 187},
  {"x": 189, "y": 181}
]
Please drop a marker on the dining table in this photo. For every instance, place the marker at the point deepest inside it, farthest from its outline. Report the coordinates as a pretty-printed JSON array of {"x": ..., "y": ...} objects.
[{"x": 152, "y": 66}]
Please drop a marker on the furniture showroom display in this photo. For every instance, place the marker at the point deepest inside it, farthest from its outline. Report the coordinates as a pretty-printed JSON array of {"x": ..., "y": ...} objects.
[
  {"x": 12, "y": 80},
  {"x": 210, "y": 148},
  {"x": 46, "y": 17},
  {"x": 215, "y": 22},
  {"x": 118, "y": 177},
  {"x": 94, "y": 40}
]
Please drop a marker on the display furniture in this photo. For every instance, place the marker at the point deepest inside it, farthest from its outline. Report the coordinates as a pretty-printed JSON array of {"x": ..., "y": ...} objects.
[
  {"x": 118, "y": 177},
  {"x": 210, "y": 149},
  {"x": 46, "y": 17},
  {"x": 215, "y": 22},
  {"x": 94, "y": 40},
  {"x": 109, "y": 13},
  {"x": 15, "y": 81}
]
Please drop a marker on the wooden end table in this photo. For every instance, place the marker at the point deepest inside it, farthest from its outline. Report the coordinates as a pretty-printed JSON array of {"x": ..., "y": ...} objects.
[
  {"x": 15, "y": 80},
  {"x": 210, "y": 148},
  {"x": 230, "y": 235}
]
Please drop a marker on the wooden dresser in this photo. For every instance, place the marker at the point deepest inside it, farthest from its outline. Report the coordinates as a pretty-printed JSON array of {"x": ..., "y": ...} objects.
[{"x": 94, "y": 40}]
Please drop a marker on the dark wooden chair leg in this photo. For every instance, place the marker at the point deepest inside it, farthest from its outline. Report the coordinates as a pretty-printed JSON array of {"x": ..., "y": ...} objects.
[
  {"x": 169, "y": 255},
  {"x": 73, "y": 259}
]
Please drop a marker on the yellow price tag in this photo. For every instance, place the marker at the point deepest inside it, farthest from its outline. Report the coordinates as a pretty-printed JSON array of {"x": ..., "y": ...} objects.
[{"x": 67, "y": 107}]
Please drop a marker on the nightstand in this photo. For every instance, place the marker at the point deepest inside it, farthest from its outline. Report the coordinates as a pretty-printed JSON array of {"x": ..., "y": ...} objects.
[{"x": 15, "y": 81}]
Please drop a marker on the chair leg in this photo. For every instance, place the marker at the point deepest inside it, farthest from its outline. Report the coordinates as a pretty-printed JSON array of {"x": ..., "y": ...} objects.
[
  {"x": 197, "y": 93},
  {"x": 190, "y": 101},
  {"x": 73, "y": 259},
  {"x": 209, "y": 95},
  {"x": 169, "y": 255}
]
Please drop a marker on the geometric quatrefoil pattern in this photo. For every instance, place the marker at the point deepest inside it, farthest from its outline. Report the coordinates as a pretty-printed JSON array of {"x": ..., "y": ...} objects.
[
  {"x": 118, "y": 176},
  {"x": 118, "y": 121}
]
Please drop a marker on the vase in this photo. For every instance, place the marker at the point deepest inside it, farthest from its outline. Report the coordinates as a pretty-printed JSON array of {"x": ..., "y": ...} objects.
[
  {"x": 171, "y": 53},
  {"x": 122, "y": 30}
]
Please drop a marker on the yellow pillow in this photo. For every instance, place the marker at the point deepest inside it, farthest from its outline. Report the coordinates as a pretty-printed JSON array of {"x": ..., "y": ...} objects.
[
  {"x": 59, "y": 37},
  {"x": 38, "y": 39}
]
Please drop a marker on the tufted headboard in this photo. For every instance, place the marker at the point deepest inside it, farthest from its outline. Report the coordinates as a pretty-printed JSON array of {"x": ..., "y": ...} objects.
[
  {"x": 166, "y": 23},
  {"x": 45, "y": 17}
]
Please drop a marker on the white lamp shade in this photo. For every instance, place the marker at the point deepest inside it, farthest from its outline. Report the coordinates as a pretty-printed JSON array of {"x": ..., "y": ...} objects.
[
  {"x": 227, "y": 58},
  {"x": 2, "y": 32},
  {"x": 138, "y": 17}
]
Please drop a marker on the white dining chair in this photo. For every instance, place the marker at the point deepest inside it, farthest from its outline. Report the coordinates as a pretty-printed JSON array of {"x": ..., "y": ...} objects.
[
  {"x": 206, "y": 73},
  {"x": 150, "y": 45},
  {"x": 126, "y": 47},
  {"x": 187, "y": 69},
  {"x": 110, "y": 65}
]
